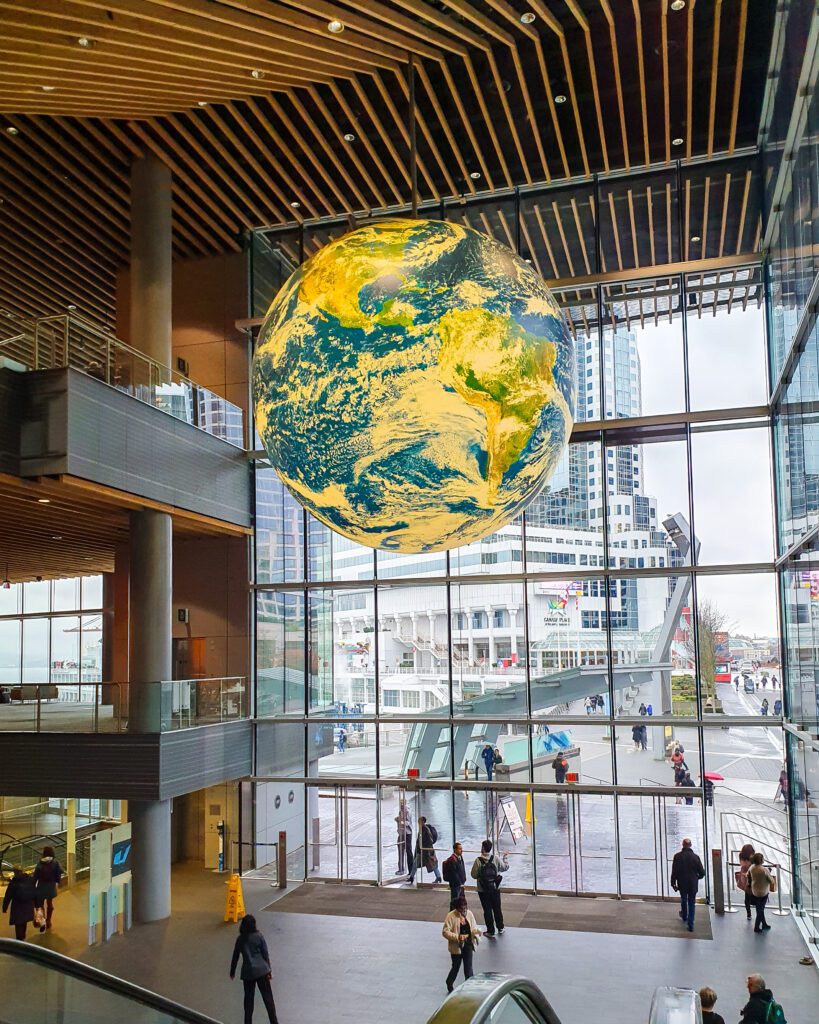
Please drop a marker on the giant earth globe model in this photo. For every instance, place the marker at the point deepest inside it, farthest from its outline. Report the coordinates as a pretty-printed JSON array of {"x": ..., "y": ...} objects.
[{"x": 414, "y": 385}]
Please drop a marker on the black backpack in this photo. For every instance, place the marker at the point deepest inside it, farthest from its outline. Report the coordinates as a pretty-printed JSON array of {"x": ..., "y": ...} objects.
[
  {"x": 433, "y": 833},
  {"x": 489, "y": 874}
]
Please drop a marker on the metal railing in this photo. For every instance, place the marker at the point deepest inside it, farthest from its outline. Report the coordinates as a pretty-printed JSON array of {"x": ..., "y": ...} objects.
[
  {"x": 122, "y": 707},
  {"x": 71, "y": 341}
]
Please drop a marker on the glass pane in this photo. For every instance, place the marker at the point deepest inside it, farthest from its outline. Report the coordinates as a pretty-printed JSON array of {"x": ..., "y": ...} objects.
[
  {"x": 726, "y": 339},
  {"x": 11, "y": 599},
  {"x": 413, "y": 653},
  {"x": 279, "y": 530},
  {"x": 341, "y": 649},
  {"x": 643, "y": 348},
  {"x": 488, "y": 650},
  {"x": 333, "y": 557},
  {"x": 65, "y": 649},
  {"x": 35, "y": 651},
  {"x": 36, "y": 596},
  {"x": 66, "y": 595},
  {"x": 91, "y": 649},
  {"x": 352, "y": 753},
  {"x": 733, "y": 515},
  {"x": 10, "y": 651},
  {"x": 573, "y": 753},
  {"x": 280, "y": 653},
  {"x": 593, "y": 822},
  {"x": 580, "y": 308},
  {"x": 554, "y": 821},
  {"x": 91, "y": 592},
  {"x": 500, "y": 552}
]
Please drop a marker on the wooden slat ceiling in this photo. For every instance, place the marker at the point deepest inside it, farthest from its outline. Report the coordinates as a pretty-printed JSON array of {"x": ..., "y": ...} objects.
[
  {"x": 250, "y": 103},
  {"x": 61, "y": 527}
]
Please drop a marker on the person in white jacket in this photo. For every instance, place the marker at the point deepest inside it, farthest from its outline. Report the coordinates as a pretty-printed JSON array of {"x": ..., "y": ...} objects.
[{"x": 462, "y": 935}]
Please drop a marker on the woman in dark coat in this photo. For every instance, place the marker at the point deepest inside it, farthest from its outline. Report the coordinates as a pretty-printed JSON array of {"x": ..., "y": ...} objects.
[
  {"x": 256, "y": 972},
  {"x": 20, "y": 896},
  {"x": 47, "y": 877}
]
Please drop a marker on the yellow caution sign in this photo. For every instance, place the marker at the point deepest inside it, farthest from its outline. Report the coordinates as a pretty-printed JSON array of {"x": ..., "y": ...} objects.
[{"x": 234, "y": 903}]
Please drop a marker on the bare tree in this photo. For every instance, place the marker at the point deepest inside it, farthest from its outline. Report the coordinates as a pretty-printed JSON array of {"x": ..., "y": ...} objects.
[{"x": 711, "y": 620}]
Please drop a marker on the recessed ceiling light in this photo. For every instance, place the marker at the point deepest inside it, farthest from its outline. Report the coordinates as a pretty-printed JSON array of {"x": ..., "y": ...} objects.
[
  {"x": 84, "y": 41},
  {"x": 349, "y": 137},
  {"x": 336, "y": 27},
  {"x": 560, "y": 98},
  {"x": 527, "y": 17},
  {"x": 201, "y": 103},
  {"x": 677, "y": 5},
  {"x": 56, "y": 536},
  {"x": 295, "y": 204},
  {"x": 11, "y": 130},
  {"x": 676, "y": 142},
  {"x": 255, "y": 73},
  {"x": 807, "y": 222},
  {"x": 474, "y": 175},
  {"x": 696, "y": 238},
  {"x": 528, "y": 261},
  {"x": 48, "y": 88},
  {"x": 44, "y": 501},
  {"x": 70, "y": 306}
]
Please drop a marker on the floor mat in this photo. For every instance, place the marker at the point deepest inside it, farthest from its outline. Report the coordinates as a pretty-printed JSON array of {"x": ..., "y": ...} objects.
[{"x": 561, "y": 913}]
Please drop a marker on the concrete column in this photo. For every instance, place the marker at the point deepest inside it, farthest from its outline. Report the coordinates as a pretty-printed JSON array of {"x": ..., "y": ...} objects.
[
  {"x": 151, "y": 834},
  {"x": 151, "y": 252},
  {"x": 150, "y": 665}
]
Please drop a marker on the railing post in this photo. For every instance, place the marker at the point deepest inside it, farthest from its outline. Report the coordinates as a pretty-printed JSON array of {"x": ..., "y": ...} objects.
[
  {"x": 38, "y": 713},
  {"x": 97, "y": 696}
]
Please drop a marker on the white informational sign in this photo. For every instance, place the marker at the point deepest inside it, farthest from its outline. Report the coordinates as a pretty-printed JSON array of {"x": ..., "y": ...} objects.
[
  {"x": 512, "y": 815},
  {"x": 109, "y": 890}
]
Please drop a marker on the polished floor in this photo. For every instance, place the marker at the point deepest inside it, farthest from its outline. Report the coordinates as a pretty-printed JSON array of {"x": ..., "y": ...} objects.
[{"x": 354, "y": 970}]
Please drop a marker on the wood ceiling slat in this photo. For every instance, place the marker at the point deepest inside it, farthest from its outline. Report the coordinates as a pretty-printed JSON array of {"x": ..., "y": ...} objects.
[
  {"x": 650, "y": 207},
  {"x": 724, "y": 221},
  {"x": 743, "y": 22},
  {"x": 581, "y": 19},
  {"x": 363, "y": 136},
  {"x": 466, "y": 120},
  {"x": 27, "y": 258},
  {"x": 580, "y": 236},
  {"x": 615, "y": 59},
  {"x": 488, "y": 121},
  {"x": 422, "y": 13},
  {"x": 638, "y": 25},
  {"x": 400, "y": 123},
  {"x": 706, "y": 199},
  {"x": 741, "y": 226},
  {"x": 666, "y": 90},
  {"x": 689, "y": 93},
  {"x": 712, "y": 106},
  {"x": 384, "y": 135}
]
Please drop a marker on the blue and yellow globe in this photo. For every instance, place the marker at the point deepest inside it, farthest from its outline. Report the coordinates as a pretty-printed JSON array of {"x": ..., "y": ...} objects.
[{"x": 414, "y": 385}]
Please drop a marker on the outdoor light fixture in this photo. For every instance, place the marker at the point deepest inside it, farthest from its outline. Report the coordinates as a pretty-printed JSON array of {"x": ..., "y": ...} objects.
[
  {"x": 349, "y": 137},
  {"x": 676, "y": 142},
  {"x": 527, "y": 17},
  {"x": 336, "y": 27}
]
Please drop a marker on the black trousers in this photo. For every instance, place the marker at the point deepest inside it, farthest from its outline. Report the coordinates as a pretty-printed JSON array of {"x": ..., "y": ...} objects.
[
  {"x": 20, "y": 931},
  {"x": 749, "y": 902},
  {"x": 465, "y": 958},
  {"x": 760, "y": 922},
  {"x": 267, "y": 998},
  {"x": 492, "y": 913}
]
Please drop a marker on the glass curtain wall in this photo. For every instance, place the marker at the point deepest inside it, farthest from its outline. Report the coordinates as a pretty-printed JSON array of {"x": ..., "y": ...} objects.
[
  {"x": 532, "y": 687},
  {"x": 791, "y": 233}
]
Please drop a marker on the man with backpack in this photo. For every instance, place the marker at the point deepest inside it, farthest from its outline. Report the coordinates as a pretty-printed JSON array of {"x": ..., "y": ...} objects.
[
  {"x": 761, "y": 1008},
  {"x": 425, "y": 850},
  {"x": 454, "y": 871},
  {"x": 487, "y": 871}
]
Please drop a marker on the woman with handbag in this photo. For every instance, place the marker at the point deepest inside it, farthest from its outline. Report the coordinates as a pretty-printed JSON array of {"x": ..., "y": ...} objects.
[
  {"x": 256, "y": 971},
  {"x": 462, "y": 935},
  {"x": 762, "y": 884},
  {"x": 47, "y": 877},
  {"x": 741, "y": 876},
  {"x": 19, "y": 901}
]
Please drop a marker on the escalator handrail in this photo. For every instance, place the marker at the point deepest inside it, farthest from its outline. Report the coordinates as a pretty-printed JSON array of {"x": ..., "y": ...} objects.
[
  {"x": 100, "y": 979},
  {"x": 474, "y": 1000}
]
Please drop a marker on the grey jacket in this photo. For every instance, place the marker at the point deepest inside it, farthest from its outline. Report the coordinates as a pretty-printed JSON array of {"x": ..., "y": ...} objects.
[
  {"x": 500, "y": 867},
  {"x": 255, "y": 959}
]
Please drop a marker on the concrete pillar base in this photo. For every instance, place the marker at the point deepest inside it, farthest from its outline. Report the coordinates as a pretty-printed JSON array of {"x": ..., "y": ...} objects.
[{"x": 151, "y": 833}]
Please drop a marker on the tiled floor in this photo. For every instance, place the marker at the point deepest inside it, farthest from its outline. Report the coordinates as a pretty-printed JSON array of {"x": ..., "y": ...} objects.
[{"x": 363, "y": 970}]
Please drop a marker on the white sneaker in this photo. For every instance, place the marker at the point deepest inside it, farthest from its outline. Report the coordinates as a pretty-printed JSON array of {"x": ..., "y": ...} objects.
[{"x": 501, "y": 931}]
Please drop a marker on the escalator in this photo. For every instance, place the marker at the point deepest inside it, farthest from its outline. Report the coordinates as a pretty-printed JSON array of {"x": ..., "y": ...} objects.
[
  {"x": 42, "y": 987},
  {"x": 507, "y": 999}
]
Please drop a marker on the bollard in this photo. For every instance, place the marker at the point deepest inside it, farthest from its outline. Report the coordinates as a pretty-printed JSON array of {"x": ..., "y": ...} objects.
[
  {"x": 718, "y": 881},
  {"x": 281, "y": 868}
]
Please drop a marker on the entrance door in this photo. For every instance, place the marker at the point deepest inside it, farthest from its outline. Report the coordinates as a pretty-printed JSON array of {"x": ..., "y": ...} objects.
[{"x": 343, "y": 837}]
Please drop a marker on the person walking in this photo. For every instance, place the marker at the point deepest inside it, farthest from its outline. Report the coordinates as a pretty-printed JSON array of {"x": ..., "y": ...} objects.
[
  {"x": 19, "y": 900},
  {"x": 763, "y": 708},
  {"x": 425, "y": 850},
  {"x": 488, "y": 758},
  {"x": 644, "y": 737},
  {"x": 708, "y": 998},
  {"x": 454, "y": 871},
  {"x": 688, "y": 783},
  {"x": 496, "y": 759},
  {"x": 487, "y": 871},
  {"x": 778, "y": 706},
  {"x": 642, "y": 710},
  {"x": 589, "y": 705},
  {"x": 741, "y": 876},
  {"x": 708, "y": 790},
  {"x": 461, "y": 933},
  {"x": 403, "y": 823},
  {"x": 636, "y": 735},
  {"x": 561, "y": 767},
  {"x": 782, "y": 785},
  {"x": 761, "y": 1007},
  {"x": 686, "y": 872},
  {"x": 256, "y": 971},
  {"x": 761, "y": 882},
  {"x": 47, "y": 875}
]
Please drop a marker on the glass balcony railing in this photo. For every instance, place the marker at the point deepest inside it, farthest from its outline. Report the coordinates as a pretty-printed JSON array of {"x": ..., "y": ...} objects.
[
  {"x": 40, "y": 987},
  {"x": 68, "y": 340},
  {"x": 122, "y": 707}
]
